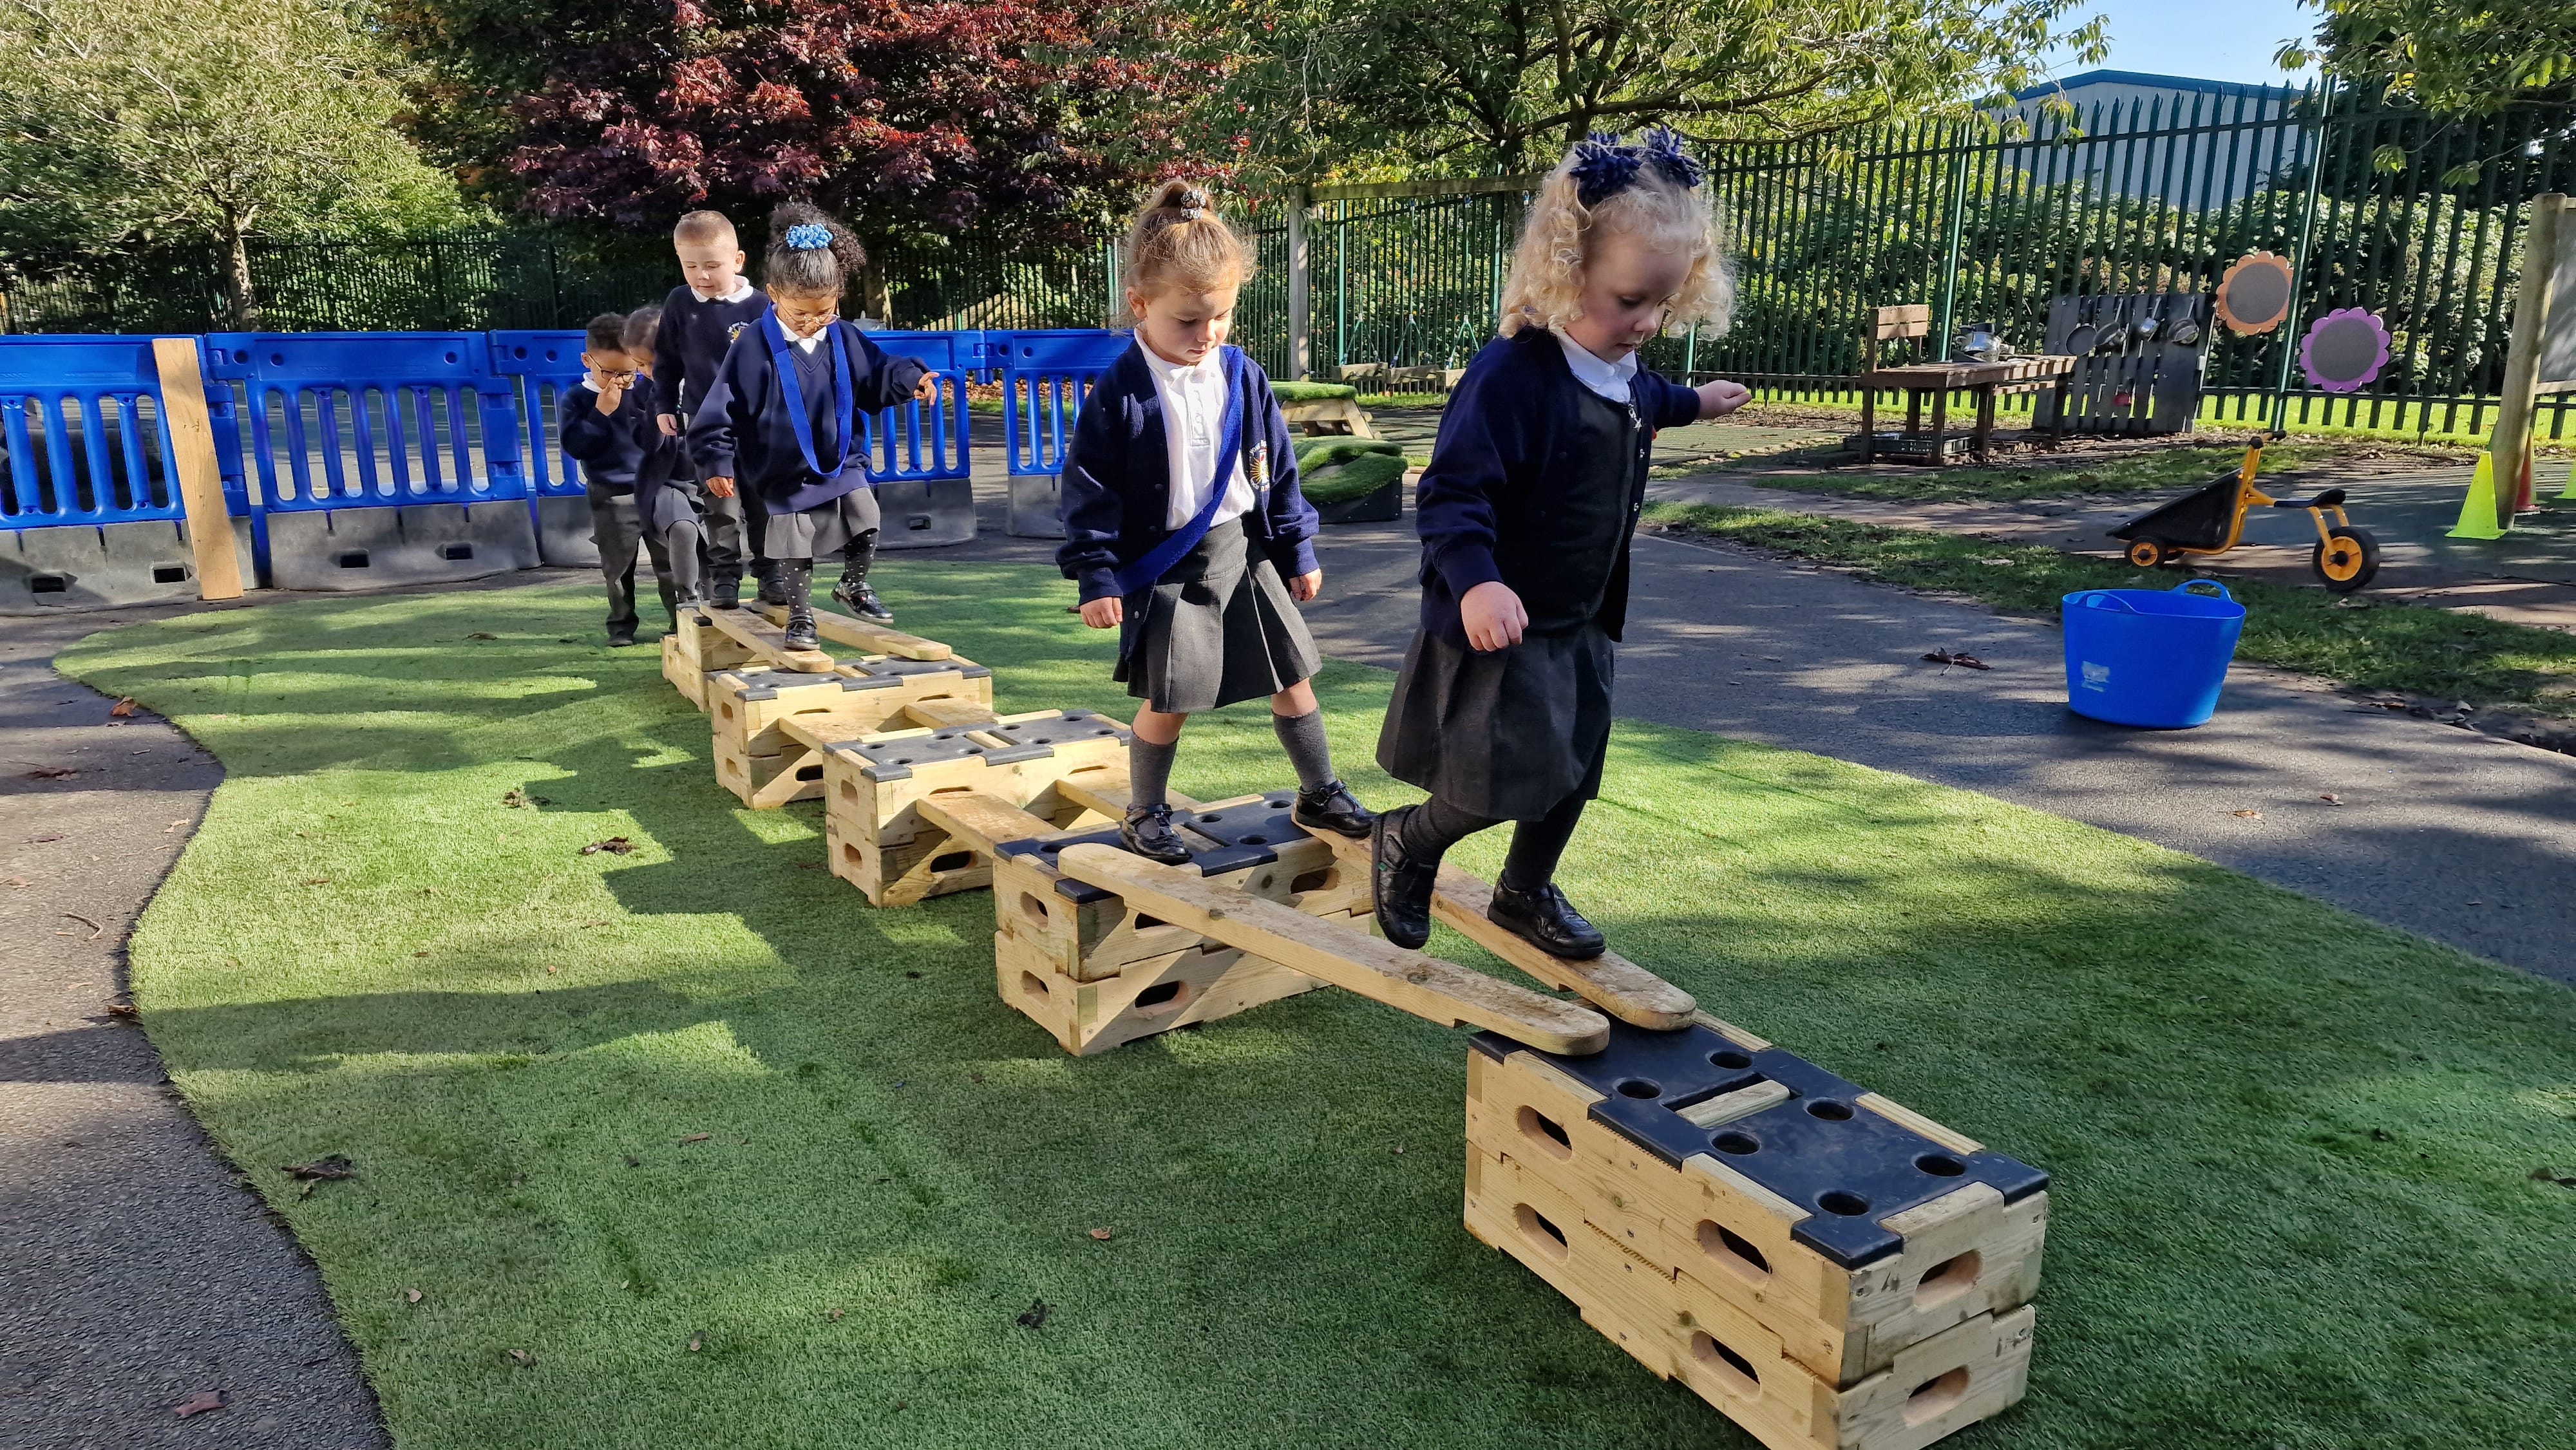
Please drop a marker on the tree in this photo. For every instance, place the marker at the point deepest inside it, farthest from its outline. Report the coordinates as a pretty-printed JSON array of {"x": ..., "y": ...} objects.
[
  {"x": 1478, "y": 85},
  {"x": 912, "y": 121},
  {"x": 2453, "y": 57},
  {"x": 126, "y": 121}
]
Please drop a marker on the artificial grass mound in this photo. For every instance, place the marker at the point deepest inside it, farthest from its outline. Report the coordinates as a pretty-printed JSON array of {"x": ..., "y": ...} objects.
[
  {"x": 1338, "y": 470},
  {"x": 2294, "y": 1202},
  {"x": 1304, "y": 392}
]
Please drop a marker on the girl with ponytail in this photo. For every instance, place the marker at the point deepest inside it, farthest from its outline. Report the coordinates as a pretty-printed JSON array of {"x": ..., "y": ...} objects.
[
  {"x": 1184, "y": 526},
  {"x": 781, "y": 418}
]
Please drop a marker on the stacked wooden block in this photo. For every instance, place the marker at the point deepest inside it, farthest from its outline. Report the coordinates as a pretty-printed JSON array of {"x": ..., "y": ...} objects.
[
  {"x": 695, "y": 651},
  {"x": 1831, "y": 1270},
  {"x": 772, "y": 727},
  {"x": 1096, "y": 974},
  {"x": 1047, "y": 763}
]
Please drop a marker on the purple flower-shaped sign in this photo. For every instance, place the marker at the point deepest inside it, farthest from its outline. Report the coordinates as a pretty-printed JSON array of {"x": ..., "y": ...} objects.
[{"x": 2344, "y": 351}]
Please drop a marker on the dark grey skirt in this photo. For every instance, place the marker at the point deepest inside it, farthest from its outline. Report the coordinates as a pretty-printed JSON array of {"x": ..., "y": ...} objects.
[
  {"x": 825, "y": 529},
  {"x": 667, "y": 503},
  {"x": 1218, "y": 628},
  {"x": 1508, "y": 734}
]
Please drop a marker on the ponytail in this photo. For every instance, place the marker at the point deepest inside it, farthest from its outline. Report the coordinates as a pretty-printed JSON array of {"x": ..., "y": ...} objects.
[{"x": 1178, "y": 241}]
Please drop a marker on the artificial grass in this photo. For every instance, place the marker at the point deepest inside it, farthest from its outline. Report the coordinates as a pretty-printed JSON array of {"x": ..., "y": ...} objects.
[
  {"x": 2175, "y": 469},
  {"x": 1289, "y": 391},
  {"x": 2374, "y": 644},
  {"x": 1339, "y": 470},
  {"x": 2292, "y": 1149}
]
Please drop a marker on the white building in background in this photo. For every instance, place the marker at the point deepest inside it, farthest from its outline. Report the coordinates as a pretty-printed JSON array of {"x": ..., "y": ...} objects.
[{"x": 2234, "y": 147}]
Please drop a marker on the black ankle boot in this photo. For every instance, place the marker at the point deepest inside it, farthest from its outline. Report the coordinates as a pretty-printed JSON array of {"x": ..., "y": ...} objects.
[
  {"x": 795, "y": 583},
  {"x": 1399, "y": 887},
  {"x": 1547, "y": 921},
  {"x": 1332, "y": 807},
  {"x": 724, "y": 591},
  {"x": 853, "y": 590},
  {"x": 1148, "y": 832},
  {"x": 770, "y": 592}
]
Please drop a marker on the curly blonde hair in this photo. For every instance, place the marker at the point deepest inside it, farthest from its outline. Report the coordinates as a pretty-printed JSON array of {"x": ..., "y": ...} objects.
[
  {"x": 1178, "y": 241},
  {"x": 1545, "y": 288}
]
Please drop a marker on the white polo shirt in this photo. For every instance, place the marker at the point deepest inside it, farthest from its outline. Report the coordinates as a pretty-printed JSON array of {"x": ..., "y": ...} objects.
[
  {"x": 1193, "y": 419},
  {"x": 1615, "y": 381}
]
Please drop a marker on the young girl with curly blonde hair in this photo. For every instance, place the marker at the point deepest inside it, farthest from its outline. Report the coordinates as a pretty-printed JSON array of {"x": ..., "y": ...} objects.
[
  {"x": 1502, "y": 711},
  {"x": 1184, "y": 526}
]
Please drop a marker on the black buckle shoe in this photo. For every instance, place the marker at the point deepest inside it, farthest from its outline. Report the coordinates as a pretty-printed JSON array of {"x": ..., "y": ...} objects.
[
  {"x": 861, "y": 600},
  {"x": 1399, "y": 889},
  {"x": 1332, "y": 807},
  {"x": 771, "y": 590},
  {"x": 1147, "y": 831},
  {"x": 1547, "y": 921},
  {"x": 725, "y": 592},
  {"x": 800, "y": 628}
]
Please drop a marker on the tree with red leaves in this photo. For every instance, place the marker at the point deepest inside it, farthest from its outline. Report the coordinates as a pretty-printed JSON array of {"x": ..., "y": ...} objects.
[{"x": 910, "y": 121}]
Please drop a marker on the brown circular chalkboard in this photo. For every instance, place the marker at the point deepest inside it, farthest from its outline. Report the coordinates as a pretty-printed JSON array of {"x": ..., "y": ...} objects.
[{"x": 2254, "y": 296}]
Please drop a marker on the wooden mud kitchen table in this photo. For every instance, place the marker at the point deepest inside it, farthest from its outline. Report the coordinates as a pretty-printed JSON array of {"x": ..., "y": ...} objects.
[{"x": 1941, "y": 379}]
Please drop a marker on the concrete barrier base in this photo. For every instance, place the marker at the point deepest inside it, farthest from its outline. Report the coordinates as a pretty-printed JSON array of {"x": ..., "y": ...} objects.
[
  {"x": 370, "y": 548},
  {"x": 926, "y": 515},
  {"x": 1033, "y": 507},
  {"x": 563, "y": 533},
  {"x": 103, "y": 566}
]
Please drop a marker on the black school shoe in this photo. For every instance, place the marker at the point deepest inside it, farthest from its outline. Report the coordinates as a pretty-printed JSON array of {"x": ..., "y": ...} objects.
[
  {"x": 621, "y": 641},
  {"x": 1547, "y": 921},
  {"x": 1399, "y": 889},
  {"x": 724, "y": 591},
  {"x": 1332, "y": 807},
  {"x": 861, "y": 600},
  {"x": 1147, "y": 831}
]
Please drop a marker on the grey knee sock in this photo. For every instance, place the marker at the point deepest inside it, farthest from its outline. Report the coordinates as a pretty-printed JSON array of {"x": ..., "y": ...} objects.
[
  {"x": 1149, "y": 771},
  {"x": 1302, "y": 736}
]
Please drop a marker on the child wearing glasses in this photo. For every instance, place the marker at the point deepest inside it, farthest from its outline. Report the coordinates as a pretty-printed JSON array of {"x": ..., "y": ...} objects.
[{"x": 607, "y": 423}]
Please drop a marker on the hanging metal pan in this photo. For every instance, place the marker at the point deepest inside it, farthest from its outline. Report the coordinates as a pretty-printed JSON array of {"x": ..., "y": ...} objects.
[{"x": 2079, "y": 339}]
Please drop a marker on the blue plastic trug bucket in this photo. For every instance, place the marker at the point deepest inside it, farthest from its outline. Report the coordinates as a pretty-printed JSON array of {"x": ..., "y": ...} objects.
[{"x": 2147, "y": 657}]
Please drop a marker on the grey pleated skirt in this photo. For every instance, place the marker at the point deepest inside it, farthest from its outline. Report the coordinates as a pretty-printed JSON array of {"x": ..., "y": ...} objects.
[
  {"x": 825, "y": 529},
  {"x": 667, "y": 503},
  {"x": 1218, "y": 628},
  {"x": 1508, "y": 734}
]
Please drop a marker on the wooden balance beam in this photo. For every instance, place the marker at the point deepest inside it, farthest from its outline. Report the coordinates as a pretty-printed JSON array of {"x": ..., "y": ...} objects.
[
  {"x": 1342, "y": 955},
  {"x": 862, "y": 636},
  {"x": 766, "y": 641},
  {"x": 1609, "y": 981}
]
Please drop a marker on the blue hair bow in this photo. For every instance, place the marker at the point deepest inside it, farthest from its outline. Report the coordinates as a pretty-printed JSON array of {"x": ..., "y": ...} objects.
[
  {"x": 1605, "y": 166},
  {"x": 808, "y": 237}
]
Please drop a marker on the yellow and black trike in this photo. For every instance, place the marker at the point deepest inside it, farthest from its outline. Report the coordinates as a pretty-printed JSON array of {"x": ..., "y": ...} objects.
[{"x": 2211, "y": 520}]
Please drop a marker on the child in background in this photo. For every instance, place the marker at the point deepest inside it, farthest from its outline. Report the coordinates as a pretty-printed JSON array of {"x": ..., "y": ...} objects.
[
  {"x": 783, "y": 415},
  {"x": 607, "y": 425},
  {"x": 1179, "y": 533},
  {"x": 671, "y": 509},
  {"x": 1502, "y": 711},
  {"x": 700, "y": 319}
]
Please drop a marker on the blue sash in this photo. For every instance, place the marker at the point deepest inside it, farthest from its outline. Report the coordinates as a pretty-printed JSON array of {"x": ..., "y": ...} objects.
[
  {"x": 1160, "y": 558},
  {"x": 845, "y": 403}
]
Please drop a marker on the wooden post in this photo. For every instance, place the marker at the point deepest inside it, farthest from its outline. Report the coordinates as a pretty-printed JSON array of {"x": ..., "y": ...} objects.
[
  {"x": 1301, "y": 343},
  {"x": 2511, "y": 442},
  {"x": 192, "y": 459}
]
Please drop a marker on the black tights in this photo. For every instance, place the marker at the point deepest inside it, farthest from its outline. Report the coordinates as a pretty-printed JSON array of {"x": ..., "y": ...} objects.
[{"x": 1537, "y": 845}]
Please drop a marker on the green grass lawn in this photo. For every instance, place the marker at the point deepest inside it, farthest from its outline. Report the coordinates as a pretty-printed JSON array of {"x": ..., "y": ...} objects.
[
  {"x": 2293, "y": 1151},
  {"x": 2175, "y": 469},
  {"x": 2375, "y": 644}
]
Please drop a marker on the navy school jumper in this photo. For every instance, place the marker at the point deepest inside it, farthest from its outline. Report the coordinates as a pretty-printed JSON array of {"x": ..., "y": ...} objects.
[
  {"x": 690, "y": 342},
  {"x": 741, "y": 430},
  {"x": 622, "y": 452},
  {"x": 1506, "y": 439},
  {"x": 1117, "y": 483}
]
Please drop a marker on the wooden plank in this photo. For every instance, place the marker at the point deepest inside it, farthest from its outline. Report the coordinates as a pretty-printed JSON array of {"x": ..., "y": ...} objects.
[
  {"x": 1609, "y": 981},
  {"x": 767, "y": 642},
  {"x": 1112, "y": 802},
  {"x": 201, "y": 478},
  {"x": 1347, "y": 957},
  {"x": 980, "y": 821},
  {"x": 944, "y": 714},
  {"x": 858, "y": 634}
]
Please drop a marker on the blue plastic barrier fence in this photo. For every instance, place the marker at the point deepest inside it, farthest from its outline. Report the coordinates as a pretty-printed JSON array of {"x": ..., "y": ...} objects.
[
  {"x": 924, "y": 441},
  {"x": 397, "y": 455},
  {"x": 90, "y": 507},
  {"x": 545, "y": 363},
  {"x": 1045, "y": 377}
]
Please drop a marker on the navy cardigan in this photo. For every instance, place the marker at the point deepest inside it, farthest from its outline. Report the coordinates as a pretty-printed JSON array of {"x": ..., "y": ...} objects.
[
  {"x": 1117, "y": 487},
  {"x": 741, "y": 430},
  {"x": 619, "y": 452},
  {"x": 1505, "y": 435}
]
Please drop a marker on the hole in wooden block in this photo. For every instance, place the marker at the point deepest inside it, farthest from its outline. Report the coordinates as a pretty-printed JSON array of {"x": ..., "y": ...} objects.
[
  {"x": 1829, "y": 1110},
  {"x": 1940, "y": 1165},
  {"x": 1544, "y": 1236},
  {"x": 1730, "y": 1059},
  {"x": 1947, "y": 1280},
  {"x": 1732, "y": 1371},
  {"x": 1546, "y": 1132},
  {"x": 952, "y": 861},
  {"x": 1934, "y": 1397},
  {"x": 850, "y": 854},
  {"x": 1638, "y": 1087},
  {"x": 1736, "y": 1143},
  {"x": 1322, "y": 878},
  {"x": 1034, "y": 985},
  {"x": 849, "y": 792},
  {"x": 1842, "y": 1201},
  {"x": 1733, "y": 1250},
  {"x": 809, "y": 772},
  {"x": 725, "y": 708},
  {"x": 1034, "y": 909},
  {"x": 1143, "y": 921},
  {"x": 1162, "y": 997}
]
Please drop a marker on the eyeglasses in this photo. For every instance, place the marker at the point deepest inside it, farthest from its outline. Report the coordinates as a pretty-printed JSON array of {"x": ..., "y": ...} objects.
[{"x": 618, "y": 378}]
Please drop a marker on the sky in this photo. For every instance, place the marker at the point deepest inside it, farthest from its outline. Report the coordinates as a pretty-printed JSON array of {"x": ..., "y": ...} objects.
[{"x": 2218, "y": 40}]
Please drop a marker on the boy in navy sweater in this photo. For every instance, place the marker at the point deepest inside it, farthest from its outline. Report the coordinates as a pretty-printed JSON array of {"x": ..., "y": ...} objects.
[
  {"x": 783, "y": 418},
  {"x": 608, "y": 425},
  {"x": 700, "y": 319}
]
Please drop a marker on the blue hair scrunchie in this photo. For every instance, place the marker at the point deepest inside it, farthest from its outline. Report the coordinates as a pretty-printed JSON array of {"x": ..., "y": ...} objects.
[
  {"x": 1663, "y": 151},
  {"x": 1605, "y": 166},
  {"x": 808, "y": 237}
]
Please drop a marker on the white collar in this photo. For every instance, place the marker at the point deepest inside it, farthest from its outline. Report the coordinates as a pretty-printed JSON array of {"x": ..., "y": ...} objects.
[
  {"x": 1175, "y": 372},
  {"x": 808, "y": 341},
  {"x": 741, "y": 290},
  {"x": 1610, "y": 380}
]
